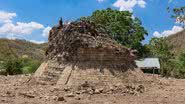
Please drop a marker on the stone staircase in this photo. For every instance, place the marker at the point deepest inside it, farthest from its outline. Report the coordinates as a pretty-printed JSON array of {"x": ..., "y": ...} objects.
[{"x": 50, "y": 72}]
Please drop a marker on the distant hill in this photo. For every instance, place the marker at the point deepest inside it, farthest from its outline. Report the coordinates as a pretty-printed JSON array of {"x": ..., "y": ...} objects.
[
  {"x": 21, "y": 48},
  {"x": 178, "y": 41}
]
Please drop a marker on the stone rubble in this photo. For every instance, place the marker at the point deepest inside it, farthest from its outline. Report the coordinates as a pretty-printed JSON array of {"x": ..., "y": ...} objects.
[{"x": 83, "y": 45}]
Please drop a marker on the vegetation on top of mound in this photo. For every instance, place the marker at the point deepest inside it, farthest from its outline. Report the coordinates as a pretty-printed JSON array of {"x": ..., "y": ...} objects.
[{"x": 125, "y": 29}]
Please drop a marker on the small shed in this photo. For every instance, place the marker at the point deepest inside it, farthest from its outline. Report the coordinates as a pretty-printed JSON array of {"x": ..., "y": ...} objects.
[{"x": 149, "y": 65}]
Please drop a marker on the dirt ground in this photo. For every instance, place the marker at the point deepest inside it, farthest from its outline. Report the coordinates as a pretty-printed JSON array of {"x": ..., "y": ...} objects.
[{"x": 157, "y": 90}]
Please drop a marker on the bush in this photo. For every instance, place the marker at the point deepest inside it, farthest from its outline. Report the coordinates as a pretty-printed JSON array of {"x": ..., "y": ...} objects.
[
  {"x": 181, "y": 66},
  {"x": 13, "y": 66},
  {"x": 29, "y": 65}
]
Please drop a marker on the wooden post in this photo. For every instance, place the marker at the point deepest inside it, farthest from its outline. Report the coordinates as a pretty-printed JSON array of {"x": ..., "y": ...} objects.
[{"x": 153, "y": 70}]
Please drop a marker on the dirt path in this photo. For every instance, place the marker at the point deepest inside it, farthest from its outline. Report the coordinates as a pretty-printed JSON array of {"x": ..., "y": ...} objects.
[{"x": 17, "y": 90}]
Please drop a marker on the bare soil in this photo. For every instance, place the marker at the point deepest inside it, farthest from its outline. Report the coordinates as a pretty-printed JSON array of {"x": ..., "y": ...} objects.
[{"x": 24, "y": 90}]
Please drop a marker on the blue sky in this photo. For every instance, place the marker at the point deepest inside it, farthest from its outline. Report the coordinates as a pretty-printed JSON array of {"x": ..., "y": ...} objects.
[{"x": 32, "y": 19}]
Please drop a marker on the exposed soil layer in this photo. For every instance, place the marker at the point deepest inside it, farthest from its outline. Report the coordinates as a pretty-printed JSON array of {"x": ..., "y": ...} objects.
[{"x": 153, "y": 90}]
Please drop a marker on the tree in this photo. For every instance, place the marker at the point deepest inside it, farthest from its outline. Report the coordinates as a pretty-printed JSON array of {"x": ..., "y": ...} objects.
[
  {"x": 179, "y": 15},
  {"x": 160, "y": 48},
  {"x": 181, "y": 65},
  {"x": 125, "y": 29}
]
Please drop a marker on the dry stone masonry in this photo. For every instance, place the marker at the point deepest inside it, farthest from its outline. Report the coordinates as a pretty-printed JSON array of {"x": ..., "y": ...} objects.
[{"x": 82, "y": 51}]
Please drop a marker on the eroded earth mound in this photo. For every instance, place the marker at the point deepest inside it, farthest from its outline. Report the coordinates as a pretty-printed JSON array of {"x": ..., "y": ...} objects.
[{"x": 82, "y": 51}]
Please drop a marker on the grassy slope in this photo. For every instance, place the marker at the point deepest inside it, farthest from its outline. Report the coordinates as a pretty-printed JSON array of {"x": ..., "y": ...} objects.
[
  {"x": 20, "y": 48},
  {"x": 178, "y": 42}
]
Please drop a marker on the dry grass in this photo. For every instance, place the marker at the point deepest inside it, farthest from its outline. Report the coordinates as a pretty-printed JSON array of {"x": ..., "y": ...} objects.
[{"x": 178, "y": 42}]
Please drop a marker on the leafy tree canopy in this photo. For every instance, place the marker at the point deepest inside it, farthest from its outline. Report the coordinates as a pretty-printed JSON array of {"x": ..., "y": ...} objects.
[
  {"x": 179, "y": 15},
  {"x": 125, "y": 29},
  {"x": 160, "y": 48}
]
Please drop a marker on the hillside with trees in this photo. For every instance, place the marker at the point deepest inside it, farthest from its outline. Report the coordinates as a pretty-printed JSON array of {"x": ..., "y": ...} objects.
[
  {"x": 20, "y": 56},
  {"x": 21, "y": 48}
]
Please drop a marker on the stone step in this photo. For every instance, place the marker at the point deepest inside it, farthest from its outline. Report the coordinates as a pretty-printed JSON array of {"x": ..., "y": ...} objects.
[
  {"x": 51, "y": 72},
  {"x": 51, "y": 75},
  {"x": 56, "y": 68},
  {"x": 64, "y": 77}
]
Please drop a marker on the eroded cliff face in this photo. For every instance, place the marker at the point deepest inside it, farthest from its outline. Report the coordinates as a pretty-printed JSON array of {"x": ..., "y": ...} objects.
[{"x": 83, "y": 51}]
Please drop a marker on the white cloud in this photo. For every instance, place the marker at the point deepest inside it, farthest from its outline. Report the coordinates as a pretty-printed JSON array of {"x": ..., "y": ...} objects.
[
  {"x": 128, "y": 5},
  {"x": 142, "y": 3},
  {"x": 166, "y": 33},
  {"x": 20, "y": 28},
  {"x": 13, "y": 30},
  {"x": 6, "y": 17},
  {"x": 45, "y": 32},
  {"x": 37, "y": 42},
  {"x": 100, "y": 1}
]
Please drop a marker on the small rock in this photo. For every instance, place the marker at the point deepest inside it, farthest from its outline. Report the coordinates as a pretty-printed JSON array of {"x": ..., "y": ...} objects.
[
  {"x": 3, "y": 100},
  {"x": 101, "y": 90},
  {"x": 141, "y": 88},
  {"x": 27, "y": 95},
  {"x": 90, "y": 91},
  {"x": 77, "y": 98},
  {"x": 83, "y": 91},
  {"x": 118, "y": 84},
  {"x": 54, "y": 89},
  {"x": 67, "y": 89},
  {"x": 96, "y": 91},
  {"x": 111, "y": 88},
  {"x": 85, "y": 84},
  {"x": 8, "y": 92},
  {"x": 109, "y": 92},
  {"x": 70, "y": 95},
  {"x": 60, "y": 98},
  {"x": 78, "y": 92}
]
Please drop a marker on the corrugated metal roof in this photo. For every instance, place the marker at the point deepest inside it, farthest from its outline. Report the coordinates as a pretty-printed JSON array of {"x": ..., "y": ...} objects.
[{"x": 148, "y": 62}]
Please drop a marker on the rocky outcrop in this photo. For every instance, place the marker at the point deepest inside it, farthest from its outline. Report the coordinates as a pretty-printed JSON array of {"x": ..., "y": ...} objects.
[{"x": 83, "y": 51}]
